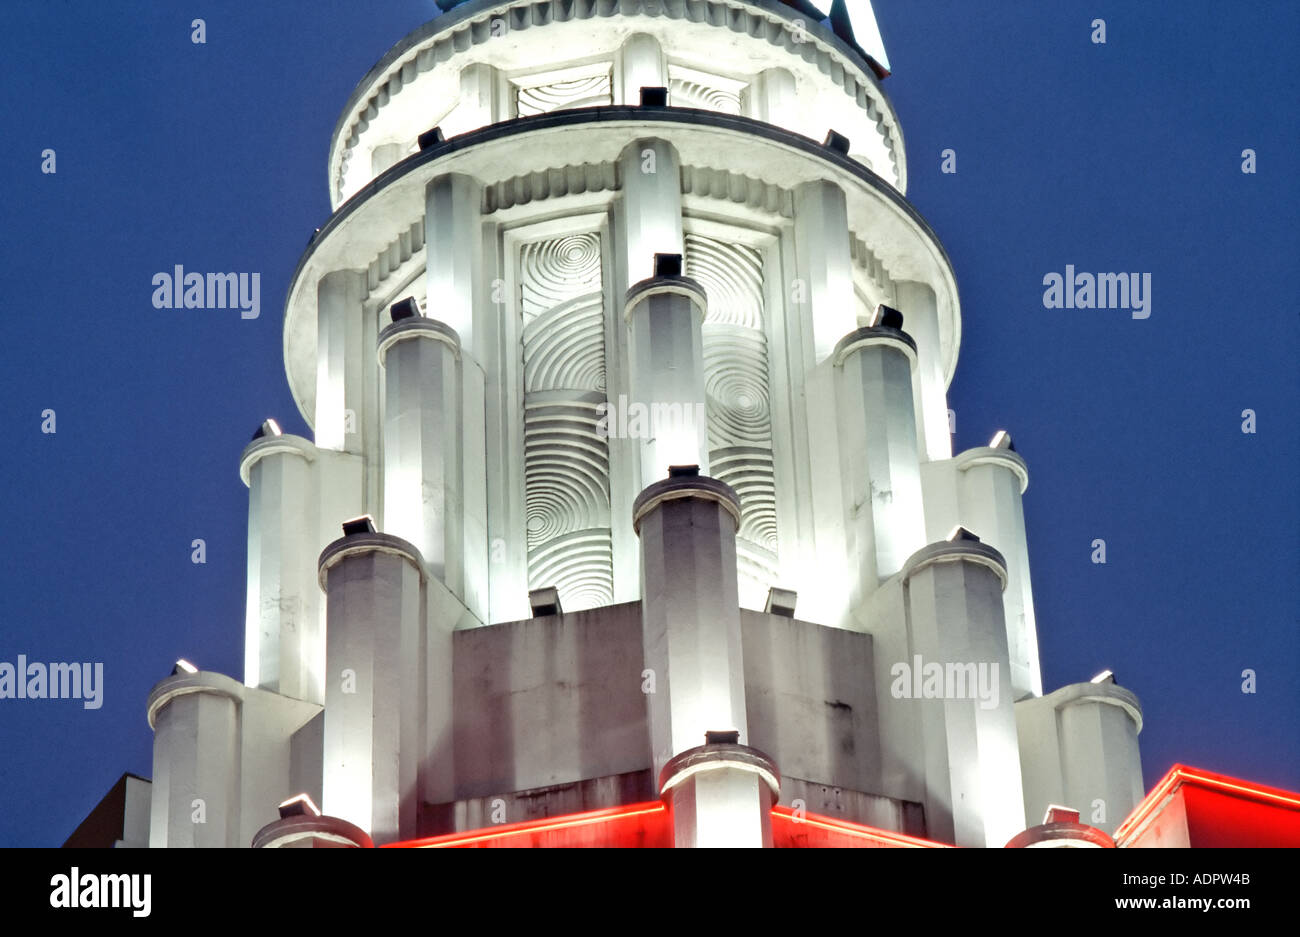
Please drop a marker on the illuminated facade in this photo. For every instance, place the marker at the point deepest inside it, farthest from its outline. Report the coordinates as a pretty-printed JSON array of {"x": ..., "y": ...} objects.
[{"x": 576, "y": 244}]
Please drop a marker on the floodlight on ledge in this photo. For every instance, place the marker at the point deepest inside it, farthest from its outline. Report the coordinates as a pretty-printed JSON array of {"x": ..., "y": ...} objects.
[
  {"x": 184, "y": 666},
  {"x": 404, "y": 309},
  {"x": 959, "y": 533},
  {"x": 1105, "y": 676},
  {"x": 1002, "y": 440},
  {"x": 545, "y": 602},
  {"x": 654, "y": 96},
  {"x": 430, "y": 138},
  {"x": 268, "y": 428},
  {"x": 1058, "y": 814},
  {"x": 887, "y": 317},
  {"x": 365, "y": 524},
  {"x": 668, "y": 265},
  {"x": 722, "y": 737},
  {"x": 837, "y": 142},
  {"x": 781, "y": 602},
  {"x": 683, "y": 471},
  {"x": 300, "y": 805}
]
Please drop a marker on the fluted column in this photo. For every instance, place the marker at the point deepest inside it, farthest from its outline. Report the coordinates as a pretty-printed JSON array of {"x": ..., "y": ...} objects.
[
  {"x": 990, "y": 488},
  {"x": 284, "y": 640},
  {"x": 651, "y": 206},
  {"x": 374, "y": 699},
  {"x": 879, "y": 461},
  {"x": 666, "y": 406},
  {"x": 823, "y": 291},
  {"x": 340, "y": 376},
  {"x": 422, "y": 443},
  {"x": 956, "y": 682},
  {"x": 640, "y": 64},
  {"x": 195, "y": 790}
]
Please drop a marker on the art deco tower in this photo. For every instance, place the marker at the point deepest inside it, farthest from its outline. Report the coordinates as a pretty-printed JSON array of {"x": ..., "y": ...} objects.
[{"x": 576, "y": 243}]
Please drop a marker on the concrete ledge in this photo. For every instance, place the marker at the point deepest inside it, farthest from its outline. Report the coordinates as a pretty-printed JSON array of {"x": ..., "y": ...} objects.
[
  {"x": 984, "y": 455},
  {"x": 961, "y": 551},
  {"x": 655, "y": 286},
  {"x": 184, "y": 684},
  {"x": 688, "y": 486},
  {"x": 408, "y": 329},
  {"x": 719, "y": 757},
  {"x": 292, "y": 830},
  {"x": 259, "y": 449},
  {"x": 356, "y": 544},
  {"x": 874, "y": 335}
]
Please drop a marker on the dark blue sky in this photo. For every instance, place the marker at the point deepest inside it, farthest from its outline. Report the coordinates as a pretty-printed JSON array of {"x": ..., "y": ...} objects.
[{"x": 1115, "y": 157}]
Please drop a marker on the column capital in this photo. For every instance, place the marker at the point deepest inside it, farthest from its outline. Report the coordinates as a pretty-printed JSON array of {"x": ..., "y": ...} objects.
[
  {"x": 959, "y": 551},
  {"x": 874, "y": 335},
  {"x": 424, "y": 327},
  {"x": 678, "y": 487},
  {"x": 642, "y": 290},
  {"x": 357, "y": 544}
]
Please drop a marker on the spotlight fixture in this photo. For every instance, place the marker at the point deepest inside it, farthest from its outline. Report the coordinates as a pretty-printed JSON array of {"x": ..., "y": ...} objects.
[
  {"x": 404, "y": 309},
  {"x": 722, "y": 737},
  {"x": 365, "y": 524},
  {"x": 960, "y": 533},
  {"x": 837, "y": 142},
  {"x": 1056, "y": 814},
  {"x": 654, "y": 97},
  {"x": 781, "y": 602},
  {"x": 887, "y": 317},
  {"x": 1105, "y": 676},
  {"x": 668, "y": 265},
  {"x": 430, "y": 138},
  {"x": 268, "y": 428},
  {"x": 683, "y": 471},
  {"x": 184, "y": 666},
  {"x": 1002, "y": 440},
  {"x": 545, "y": 602},
  {"x": 300, "y": 805}
]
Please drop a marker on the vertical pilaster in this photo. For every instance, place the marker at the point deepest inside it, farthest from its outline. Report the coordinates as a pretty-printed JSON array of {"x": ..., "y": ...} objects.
[
  {"x": 423, "y": 442},
  {"x": 652, "y": 205},
  {"x": 640, "y": 63},
  {"x": 374, "y": 701},
  {"x": 824, "y": 289},
  {"x": 690, "y": 611},
  {"x": 666, "y": 406},
  {"x": 879, "y": 462},
  {"x": 770, "y": 97},
  {"x": 956, "y": 679},
  {"x": 284, "y": 639},
  {"x": 919, "y": 306},
  {"x": 339, "y": 365}
]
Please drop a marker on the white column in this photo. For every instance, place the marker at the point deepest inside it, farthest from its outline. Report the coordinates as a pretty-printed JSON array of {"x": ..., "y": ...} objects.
[
  {"x": 879, "y": 462},
  {"x": 968, "y": 725},
  {"x": 385, "y": 156},
  {"x": 422, "y": 443},
  {"x": 823, "y": 291},
  {"x": 339, "y": 365},
  {"x": 651, "y": 209},
  {"x": 990, "y": 487},
  {"x": 920, "y": 310},
  {"x": 195, "y": 791},
  {"x": 483, "y": 98},
  {"x": 720, "y": 795},
  {"x": 640, "y": 64},
  {"x": 284, "y": 643},
  {"x": 453, "y": 248},
  {"x": 665, "y": 315},
  {"x": 373, "y": 694},
  {"x": 1079, "y": 749},
  {"x": 770, "y": 98},
  {"x": 690, "y": 612}
]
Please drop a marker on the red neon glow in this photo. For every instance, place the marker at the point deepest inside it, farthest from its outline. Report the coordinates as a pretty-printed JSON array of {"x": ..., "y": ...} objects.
[
  {"x": 1217, "y": 807},
  {"x": 649, "y": 820},
  {"x": 812, "y": 831},
  {"x": 648, "y": 825}
]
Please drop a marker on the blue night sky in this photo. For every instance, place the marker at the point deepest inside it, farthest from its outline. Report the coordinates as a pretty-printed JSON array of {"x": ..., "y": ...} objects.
[{"x": 1117, "y": 157}]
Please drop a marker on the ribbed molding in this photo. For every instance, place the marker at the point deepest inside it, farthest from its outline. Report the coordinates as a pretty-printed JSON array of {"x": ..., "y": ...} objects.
[
  {"x": 733, "y": 187},
  {"x": 554, "y": 183},
  {"x": 751, "y": 20}
]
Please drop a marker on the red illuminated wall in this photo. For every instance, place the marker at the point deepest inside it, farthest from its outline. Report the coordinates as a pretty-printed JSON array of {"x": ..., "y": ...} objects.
[{"x": 1203, "y": 810}]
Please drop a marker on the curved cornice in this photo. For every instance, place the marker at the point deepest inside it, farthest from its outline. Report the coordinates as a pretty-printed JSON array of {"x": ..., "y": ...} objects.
[
  {"x": 759, "y": 150},
  {"x": 470, "y": 24}
]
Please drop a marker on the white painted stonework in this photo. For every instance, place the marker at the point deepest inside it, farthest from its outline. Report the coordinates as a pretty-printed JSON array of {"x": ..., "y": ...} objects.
[{"x": 399, "y": 677}]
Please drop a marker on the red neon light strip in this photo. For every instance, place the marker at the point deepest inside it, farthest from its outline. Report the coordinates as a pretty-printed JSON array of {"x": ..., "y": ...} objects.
[
  {"x": 610, "y": 814},
  {"x": 856, "y": 829},
  {"x": 530, "y": 826},
  {"x": 1181, "y": 774}
]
